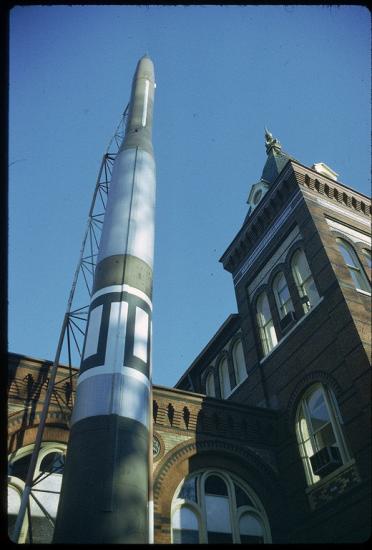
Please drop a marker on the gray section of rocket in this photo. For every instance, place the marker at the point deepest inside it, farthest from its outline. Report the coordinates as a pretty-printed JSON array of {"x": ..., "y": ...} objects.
[{"x": 108, "y": 450}]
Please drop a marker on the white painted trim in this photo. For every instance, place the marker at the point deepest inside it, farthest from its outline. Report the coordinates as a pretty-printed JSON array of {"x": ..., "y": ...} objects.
[
  {"x": 91, "y": 341},
  {"x": 145, "y": 103},
  {"x": 355, "y": 236},
  {"x": 363, "y": 292},
  {"x": 123, "y": 288},
  {"x": 107, "y": 369},
  {"x": 343, "y": 211},
  {"x": 141, "y": 329}
]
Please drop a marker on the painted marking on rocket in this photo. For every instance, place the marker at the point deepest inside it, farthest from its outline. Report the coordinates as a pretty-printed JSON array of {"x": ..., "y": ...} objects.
[
  {"x": 145, "y": 103},
  {"x": 119, "y": 332},
  {"x": 123, "y": 288},
  {"x": 91, "y": 343},
  {"x": 130, "y": 399},
  {"x": 141, "y": 333}
]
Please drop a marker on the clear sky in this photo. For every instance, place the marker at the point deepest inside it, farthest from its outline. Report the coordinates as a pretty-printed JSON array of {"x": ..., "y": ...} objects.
[{"x": 223, "y": 73}]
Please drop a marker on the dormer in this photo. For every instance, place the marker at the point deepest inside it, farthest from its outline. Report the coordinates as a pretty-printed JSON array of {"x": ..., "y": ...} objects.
[{"x": 256, "y": 193}]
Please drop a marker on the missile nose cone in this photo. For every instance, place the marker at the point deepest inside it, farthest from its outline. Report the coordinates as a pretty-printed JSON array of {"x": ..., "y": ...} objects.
[{"x": 145, "y": 68}]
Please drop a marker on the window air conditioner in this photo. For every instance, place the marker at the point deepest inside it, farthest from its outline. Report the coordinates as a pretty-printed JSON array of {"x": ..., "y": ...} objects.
[
  {"x": 325, "y": 461},
  {"x": 287, "y": 320}
]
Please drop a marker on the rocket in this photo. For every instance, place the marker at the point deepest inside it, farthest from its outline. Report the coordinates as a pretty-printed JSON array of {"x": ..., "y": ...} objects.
[{"x": 105, "y": 487}]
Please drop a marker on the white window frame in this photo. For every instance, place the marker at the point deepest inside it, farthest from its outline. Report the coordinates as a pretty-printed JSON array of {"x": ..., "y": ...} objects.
[
  {"x": 286, "y": 306},
  {"x": 210, "y": 388},
  {"x": 17, "y": 483},
  {"x": 223, "y": 372},
  {"x": 303, "y": 280},
  {"x": 334, "y": 419},
  {"x": 199, "y": 508},
  {"x": 238, "y": 367},
  {"x": 267, "y": 330},
  {"x": 356, "y": 267}
]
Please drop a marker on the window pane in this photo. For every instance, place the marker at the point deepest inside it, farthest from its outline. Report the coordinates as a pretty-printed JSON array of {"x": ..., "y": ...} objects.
[
  {"x": 188, "y": 489},
  {"x": 214, "y": 485},
  {"x": 14, "y": 501},
  {"x": 240, "y": 370},
  {"x": 225, "y": 379},
  {"x": 355, "y": 268},
  {"x": 210, "y": 385},
  {"x": 311, "y": 291},
  {"x": 367, "y": 254},
  {"x": 242, "y": 499},
  {"x": 218, "y": 519},
  {"x": 346, "y": 253},
  {"x": 265, "y": 308},
  {"x": 318, "y": 410},
  {"x": 325, "y": 437},
  {"x": 250, "y": 529},
  {"x": 53, "y": 462},
  {"x": 185, "y": 526},
  {"x": 271, "y": 335},
  {"x": 19, "y": 468},
  {"x": 283, "y": 297}
]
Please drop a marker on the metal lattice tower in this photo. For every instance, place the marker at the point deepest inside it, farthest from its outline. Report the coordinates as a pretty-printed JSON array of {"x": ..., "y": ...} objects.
[{"x": 71, "y": 339}]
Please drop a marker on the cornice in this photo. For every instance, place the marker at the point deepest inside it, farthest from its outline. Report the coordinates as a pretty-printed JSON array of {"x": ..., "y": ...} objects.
[{"x": 294, "y": 174}]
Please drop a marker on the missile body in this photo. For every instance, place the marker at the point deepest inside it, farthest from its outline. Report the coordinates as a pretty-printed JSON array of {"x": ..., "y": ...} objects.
[{"x": 105, "y": 488}]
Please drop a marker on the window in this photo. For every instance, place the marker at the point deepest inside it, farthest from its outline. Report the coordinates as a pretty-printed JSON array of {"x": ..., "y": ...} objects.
[
  {"x": 239, "y": 362},
  {"x": 265, "y": 324},
  {"x": 304, "y": 281},
  {"x": 224, "y": 378},
  {"x": 185, "y": 526},
  {"x": 319, "y": 433},
  {"x": 45, "y": 493},
  {"x": 209, "y": 385},
  {"x": 216, "y": 507},
  {"x": 282, "y": 296},
  {"x": 355, "y": 267}
]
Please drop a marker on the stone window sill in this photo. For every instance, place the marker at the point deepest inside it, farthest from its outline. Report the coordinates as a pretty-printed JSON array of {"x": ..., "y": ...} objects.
[{"x": 333, "y": 485}]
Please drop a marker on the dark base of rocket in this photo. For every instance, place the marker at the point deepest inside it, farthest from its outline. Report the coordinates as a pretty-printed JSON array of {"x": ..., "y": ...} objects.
[{"x": 104, "y": 496}]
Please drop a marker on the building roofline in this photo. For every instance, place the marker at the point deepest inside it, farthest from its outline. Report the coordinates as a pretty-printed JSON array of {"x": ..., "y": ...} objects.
[
  {"x": 276, "y": 182},
  {"x": 229, "y": 321}
]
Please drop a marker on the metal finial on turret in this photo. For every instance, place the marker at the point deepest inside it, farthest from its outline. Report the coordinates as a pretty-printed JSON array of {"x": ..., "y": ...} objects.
[{"x": 271, "y": 142}]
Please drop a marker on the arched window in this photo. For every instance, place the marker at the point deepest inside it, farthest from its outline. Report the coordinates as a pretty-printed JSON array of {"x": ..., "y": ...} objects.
[
  {"x": 239, "y": 362},
  {"x": 265, "y": 324},
  {"x": 319, "y": 434},
  {"x": 304, "y": 280},
  {"x": 355, "y": 267},
  {"x": 209, "y": 385},
  {"x": 224, "y": 378},
  {"x": 45, "y": 493},
  {"x": 282, "y": 296},
  {"x": 217, "y": 507}
]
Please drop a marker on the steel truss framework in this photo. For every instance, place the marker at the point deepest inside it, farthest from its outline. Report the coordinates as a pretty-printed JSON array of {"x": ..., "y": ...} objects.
[{"x": 71, "y": 339}]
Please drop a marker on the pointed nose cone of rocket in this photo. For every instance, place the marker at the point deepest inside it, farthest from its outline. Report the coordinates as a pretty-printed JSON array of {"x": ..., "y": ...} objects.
[
  {"x": 145, "y": 69},
  {"x": 139, "y": 122}
]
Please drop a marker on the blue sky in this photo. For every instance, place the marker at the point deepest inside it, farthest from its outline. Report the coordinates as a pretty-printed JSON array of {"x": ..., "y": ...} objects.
[{"x": 223, "y": 73}]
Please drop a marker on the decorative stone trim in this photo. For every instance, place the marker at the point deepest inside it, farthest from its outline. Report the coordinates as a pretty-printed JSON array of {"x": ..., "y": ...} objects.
[
  {"x": 184, "y": 451},
  {"x": 335, "y": 485}
]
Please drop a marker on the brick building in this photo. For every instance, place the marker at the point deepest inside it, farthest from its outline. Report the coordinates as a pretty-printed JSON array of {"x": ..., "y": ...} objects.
[{"x": 266, "y": 436}]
